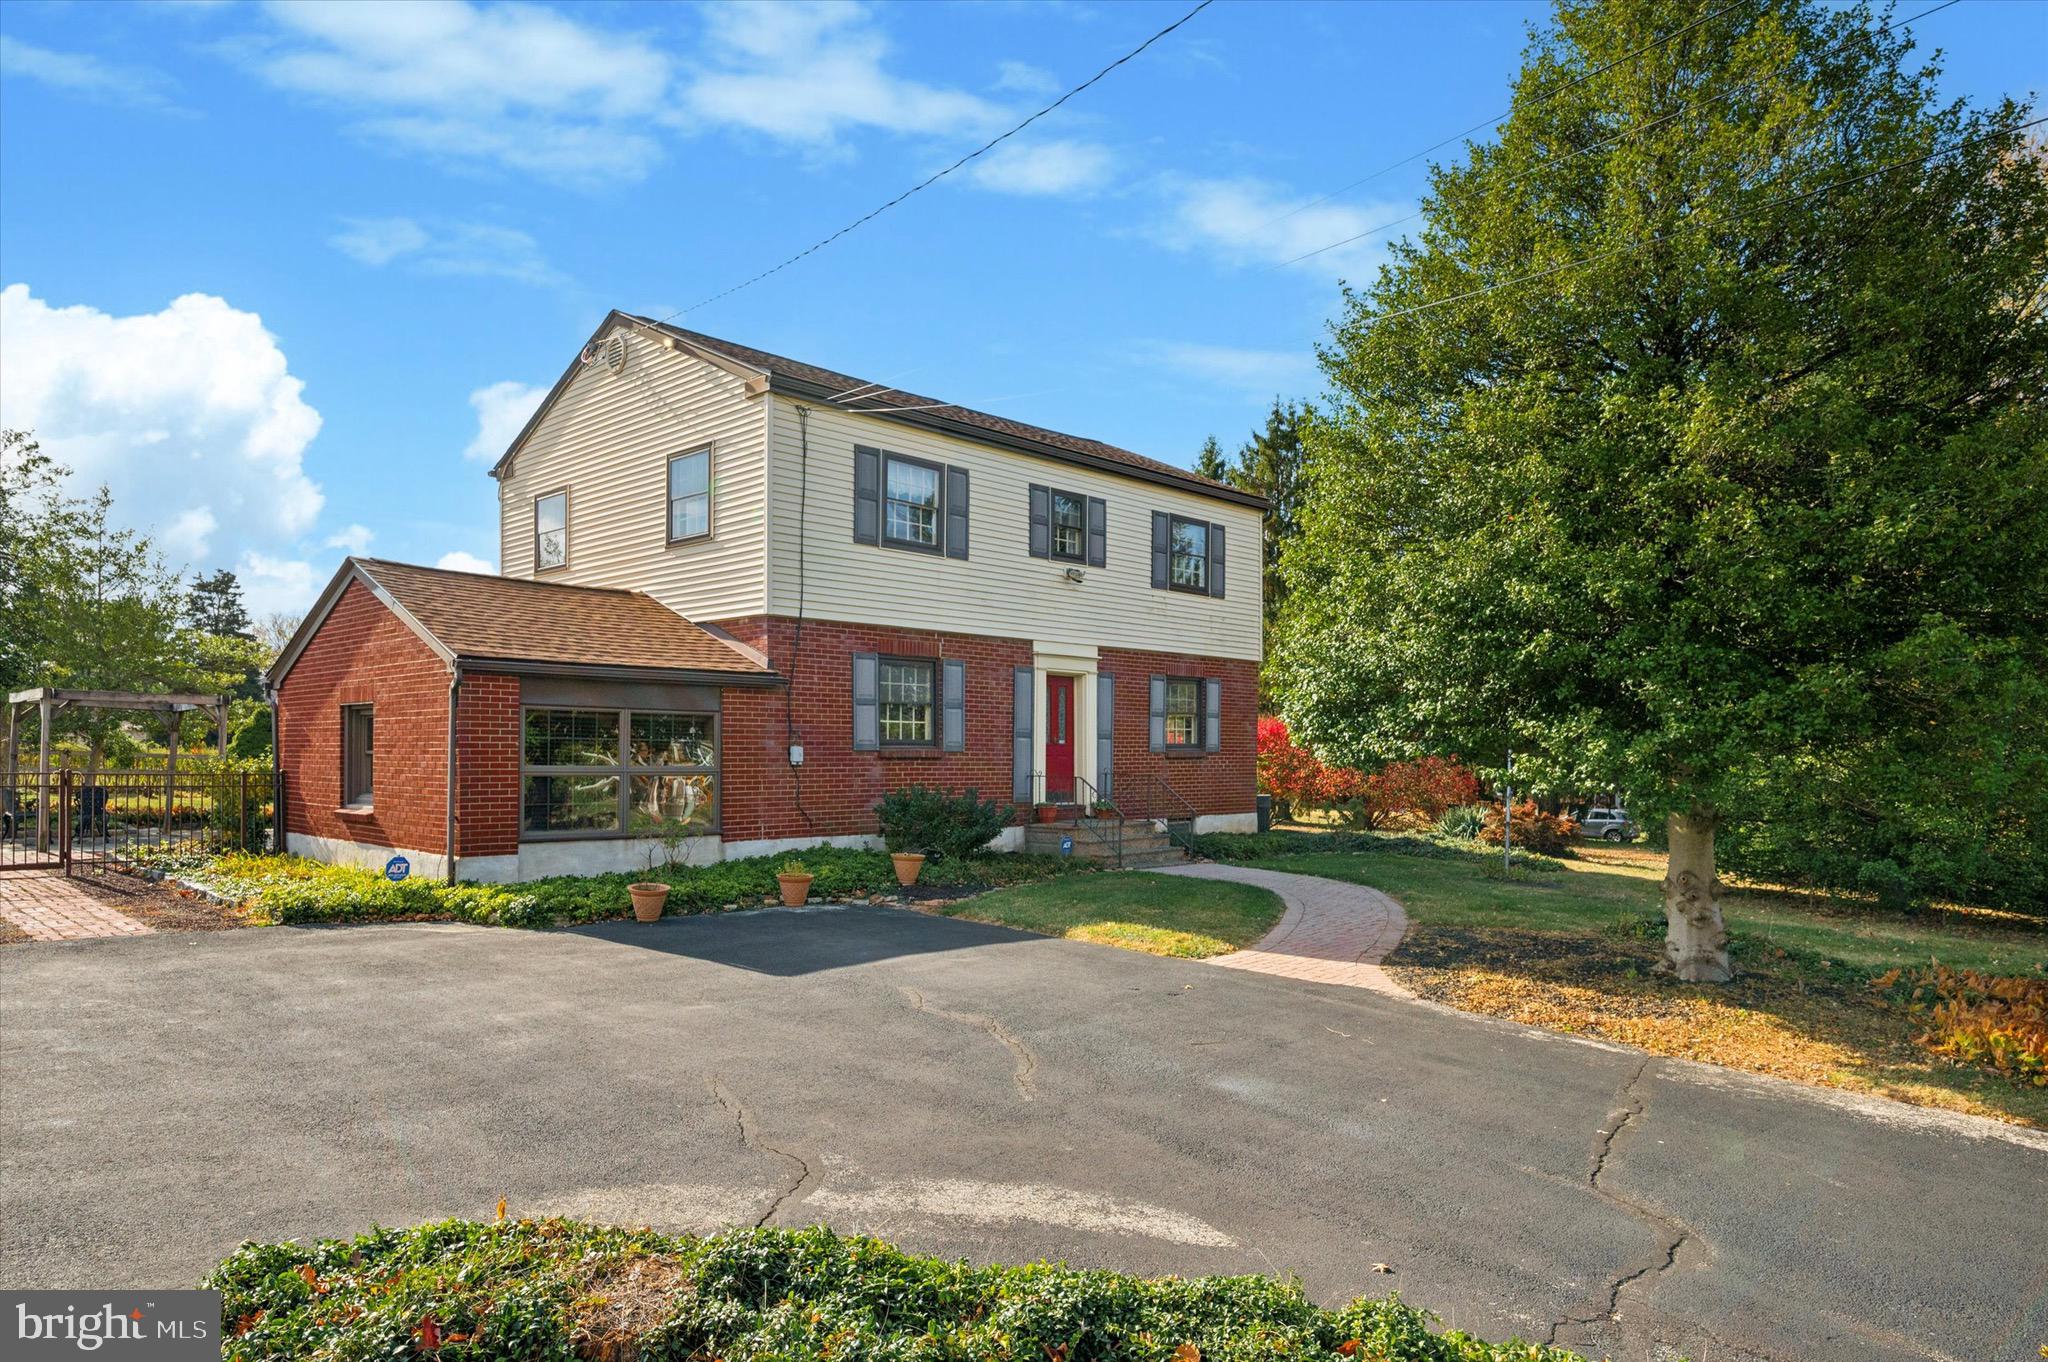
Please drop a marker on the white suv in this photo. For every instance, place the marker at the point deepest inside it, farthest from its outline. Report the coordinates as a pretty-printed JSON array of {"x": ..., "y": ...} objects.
[{"x": 1610, "y": 825}]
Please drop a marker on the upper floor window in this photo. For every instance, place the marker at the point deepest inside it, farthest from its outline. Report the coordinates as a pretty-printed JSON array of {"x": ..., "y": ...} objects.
[
  {"x": 551, "y": 531},
  {"x": 907, "y": 699},
  {"x": 1190, "y": 549},
  {"x": 910, "y": 502},
  {"x": 689, "y": 495},
  {"x": 1070, "y": 527}
]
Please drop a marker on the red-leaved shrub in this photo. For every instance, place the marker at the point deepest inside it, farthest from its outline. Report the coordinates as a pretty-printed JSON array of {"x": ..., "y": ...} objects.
[{"x": 1548, "y": 833}]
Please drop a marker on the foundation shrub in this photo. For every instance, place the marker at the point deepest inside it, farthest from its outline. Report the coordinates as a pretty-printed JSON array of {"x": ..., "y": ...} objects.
[{"x": 937, "y": 823}]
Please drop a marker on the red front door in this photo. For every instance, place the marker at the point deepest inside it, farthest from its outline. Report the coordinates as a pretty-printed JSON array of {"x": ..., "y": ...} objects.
[{"x": 1059, "y": 740}]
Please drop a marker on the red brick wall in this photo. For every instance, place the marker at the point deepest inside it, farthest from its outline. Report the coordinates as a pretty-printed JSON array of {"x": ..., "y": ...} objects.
[
  {"x": 1224, "y": 781},
  {"x": 363, "y": 654},
  {"x": 487, "y": 765},
  {"x": 838, "y": 787}
]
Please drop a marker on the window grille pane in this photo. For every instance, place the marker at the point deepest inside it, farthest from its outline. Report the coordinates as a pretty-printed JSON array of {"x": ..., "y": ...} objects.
[
  {"x": 1069, "y": 526},
  {"x": 671, "y": 739},
  {"x": 1183, "y": 713},
  {"x": 911, "y": 503},
  {"x": 570, "y": 803},
  {"x": 663, "y": 800},
  {"x": 904, "y": 696},
  {"x": 572, "y": 737},
  {"x": 1190, "y": 554},
  {"x": 689, "y": 516},
  {"x": 689, "y": 474}
]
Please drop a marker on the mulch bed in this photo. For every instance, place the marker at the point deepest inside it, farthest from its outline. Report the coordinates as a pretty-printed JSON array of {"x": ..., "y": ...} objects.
[{"x": 163, "y": 907}]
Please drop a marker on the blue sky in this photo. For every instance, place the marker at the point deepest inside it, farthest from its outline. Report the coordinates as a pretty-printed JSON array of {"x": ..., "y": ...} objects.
[{"x": 288, "y": 276}]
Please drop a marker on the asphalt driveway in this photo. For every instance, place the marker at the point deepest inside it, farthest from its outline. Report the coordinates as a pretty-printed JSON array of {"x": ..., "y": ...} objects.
[{"x": 967, "y": 1090}]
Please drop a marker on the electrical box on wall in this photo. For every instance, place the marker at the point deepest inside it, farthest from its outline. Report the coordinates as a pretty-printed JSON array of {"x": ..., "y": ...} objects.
[{"x": 796, "y": 754}]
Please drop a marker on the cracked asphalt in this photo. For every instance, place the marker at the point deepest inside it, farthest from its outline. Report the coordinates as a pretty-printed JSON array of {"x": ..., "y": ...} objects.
[{"x": 971, "y": 1091}]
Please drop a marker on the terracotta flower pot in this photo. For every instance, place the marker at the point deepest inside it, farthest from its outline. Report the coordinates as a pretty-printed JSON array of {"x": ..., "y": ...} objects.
[
  {"x": 648, "y": 899},
  {"x": 1048, "y": 813},
  {"x": 908, "y": 863},
  {"x": 795, "y": 889}
]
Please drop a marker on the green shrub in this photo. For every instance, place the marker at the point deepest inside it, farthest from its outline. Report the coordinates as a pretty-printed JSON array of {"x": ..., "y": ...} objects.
[
  {"x": 1462, "y": 822},
  {"x": 926, "y": 819},
  {"x": 524, "y": 1289},
  {"x": 1892, "y": 886}
]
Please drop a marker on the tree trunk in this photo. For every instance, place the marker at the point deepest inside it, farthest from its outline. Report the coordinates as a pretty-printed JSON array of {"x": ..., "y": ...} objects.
[{"x": 1695, "y": 939}]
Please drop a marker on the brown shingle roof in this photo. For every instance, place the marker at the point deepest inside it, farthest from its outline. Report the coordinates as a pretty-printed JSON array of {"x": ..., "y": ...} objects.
[
  {"x": 508, "y": 619},
  {"x": 859, "y": 395}
]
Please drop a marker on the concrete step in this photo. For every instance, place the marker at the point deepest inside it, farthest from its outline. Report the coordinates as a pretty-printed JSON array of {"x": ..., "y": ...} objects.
[{"x": 1147, "y": 860}]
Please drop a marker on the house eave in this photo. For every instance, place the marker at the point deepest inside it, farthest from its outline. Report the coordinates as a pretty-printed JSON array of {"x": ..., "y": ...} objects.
[{"x": 691, "y": 676}]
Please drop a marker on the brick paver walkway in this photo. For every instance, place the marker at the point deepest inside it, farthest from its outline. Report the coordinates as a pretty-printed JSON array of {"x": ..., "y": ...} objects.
[
  {"x": 1332, "y": 932},
  {"x": 52, "y": 908}
]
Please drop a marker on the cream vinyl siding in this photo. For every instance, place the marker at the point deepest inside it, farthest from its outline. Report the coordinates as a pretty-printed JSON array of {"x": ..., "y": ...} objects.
[
  {"x": 1000, "y": 589},
  {"x": 607, "y": 440}
]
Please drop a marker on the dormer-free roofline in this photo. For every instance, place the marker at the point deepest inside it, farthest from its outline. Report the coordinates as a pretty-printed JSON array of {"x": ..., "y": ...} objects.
[{"x": 764, "y": 372}]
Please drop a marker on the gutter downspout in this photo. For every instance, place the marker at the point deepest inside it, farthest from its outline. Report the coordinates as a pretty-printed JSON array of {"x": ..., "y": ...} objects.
[{"x": 454, "y": 691}]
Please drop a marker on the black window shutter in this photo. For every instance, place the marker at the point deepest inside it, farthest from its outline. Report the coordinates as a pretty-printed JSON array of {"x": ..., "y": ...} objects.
[
  {"x": 1215, "y": 560},
  {"x": 1162, "y": 552},
  {"x": 1041, "y": 522},
  {"x": 867, "y": 495},
  {"x": 1105, "y": 733},
  {"x": 1021, "y": 698},
  {"x": 956, "y": 512},
  {"x": 953, "y": 710},
  {"x": 1212, "y": 727},
  {"x": 1098, "y": 531},
  {"x": 1157, "y": 726},
  {"x": 867, "y": 726}
]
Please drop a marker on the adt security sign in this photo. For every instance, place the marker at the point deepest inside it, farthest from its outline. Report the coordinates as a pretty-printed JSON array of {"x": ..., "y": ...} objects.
[
  {"x": 1066, "y": 846},
  {"x": 397, "y": 868}
]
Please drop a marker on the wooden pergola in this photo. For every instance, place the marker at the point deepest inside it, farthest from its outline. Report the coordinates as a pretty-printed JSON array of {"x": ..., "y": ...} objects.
[{"x": 50, "y": 701}]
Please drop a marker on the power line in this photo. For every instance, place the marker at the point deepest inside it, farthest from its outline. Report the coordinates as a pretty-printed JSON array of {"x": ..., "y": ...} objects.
[
  {"x": 1550, "y": 160},
  {"x": 1544, "y": 98},
  {"x": 1692, "y": 221},
  {"x": 940, "y": 175}
]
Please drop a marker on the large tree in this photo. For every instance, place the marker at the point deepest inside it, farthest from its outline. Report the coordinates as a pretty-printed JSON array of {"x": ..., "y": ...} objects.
[
  {"x": 214, "y": 605},
  {"x": 1268, "y": 463},
  {"x": 1699, "y": 436}
]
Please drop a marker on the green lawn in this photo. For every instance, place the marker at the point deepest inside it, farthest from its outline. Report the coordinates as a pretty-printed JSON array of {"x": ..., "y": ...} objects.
[
  {"x": 1161, "y": 914},
  {"x": 1585, "y": 896}
]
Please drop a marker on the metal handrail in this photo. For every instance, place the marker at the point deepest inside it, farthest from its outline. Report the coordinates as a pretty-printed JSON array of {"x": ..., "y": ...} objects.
[{"x": 1169, "y": 801}]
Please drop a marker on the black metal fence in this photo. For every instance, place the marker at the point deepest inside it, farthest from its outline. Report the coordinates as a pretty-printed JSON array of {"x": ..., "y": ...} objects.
[{"x": 82, "y": 823}]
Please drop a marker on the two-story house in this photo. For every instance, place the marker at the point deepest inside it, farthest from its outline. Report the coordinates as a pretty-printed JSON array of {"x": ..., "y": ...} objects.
[{"x": 749, "y": 595}]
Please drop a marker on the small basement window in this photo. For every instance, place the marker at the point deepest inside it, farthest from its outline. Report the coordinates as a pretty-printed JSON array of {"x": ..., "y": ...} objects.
[
  {"x": 358, "y": 755},
  {"x": 551, "y": 531}
]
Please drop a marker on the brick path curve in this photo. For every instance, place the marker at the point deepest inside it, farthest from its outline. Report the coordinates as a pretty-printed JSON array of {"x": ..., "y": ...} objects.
[
  {"x": 52, "y": 908},
  {"x": 1333, "y": 932}
]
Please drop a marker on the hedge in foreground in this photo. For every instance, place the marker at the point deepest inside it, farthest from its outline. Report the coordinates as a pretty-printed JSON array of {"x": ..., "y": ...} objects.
[
  {"x": 292, "y": 889},
  {"x": 540, "y": 1291}
]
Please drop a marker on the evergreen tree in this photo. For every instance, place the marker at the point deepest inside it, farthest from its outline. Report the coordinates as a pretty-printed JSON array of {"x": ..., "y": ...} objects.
[
  {"x": 215, "y": 606},
  {"x": 1697, "y": 445},
  {"x": 1210, "y": 463}
]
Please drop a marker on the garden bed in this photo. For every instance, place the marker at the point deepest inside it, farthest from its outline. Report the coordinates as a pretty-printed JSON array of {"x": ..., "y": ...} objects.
[
  {"x": 554, "y": 1290},
  {"x": 295, "y": 890}
]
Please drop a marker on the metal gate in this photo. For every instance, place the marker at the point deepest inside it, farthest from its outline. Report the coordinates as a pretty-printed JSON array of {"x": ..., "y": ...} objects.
[{"x": 83, "y": 823}]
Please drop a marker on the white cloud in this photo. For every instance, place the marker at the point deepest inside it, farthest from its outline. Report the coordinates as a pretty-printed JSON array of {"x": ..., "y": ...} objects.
[
  {"x": 277, "y": 585},
  {"x": 1055, "y": 167},
  {"x": 191, "y": 415},
  {"x": 516, "y": 85},
  {"x": 1251, "y": 222},
  {"x": 351, "y": 539},
  {"x": 81, "y": 74},
  {"x": 1025, "y": 78},
  {"x": 479, "y": 249},
  {"x": 809, "y": 72},
  {"x": 502, "y": 410},
  {"x": 458, "y": 561},
  {"x": 1246, "y": 372}
]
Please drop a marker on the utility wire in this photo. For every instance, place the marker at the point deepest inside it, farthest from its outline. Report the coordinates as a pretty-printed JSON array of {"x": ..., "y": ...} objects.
[
  {"x": 1690, "y": 222},
  {"x": 1543, "y": 98},
  {"x": 1550, "y": 160},
  {"x": 940, "y": 175}
]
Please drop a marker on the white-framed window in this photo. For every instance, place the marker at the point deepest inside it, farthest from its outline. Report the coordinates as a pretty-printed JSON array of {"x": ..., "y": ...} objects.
[
  {"x": 1069, "y": 526},
  {"x": 358, "y": 756},
  {"x": 1189, "y": 546},
  {"x": 910, "y": 502},
  {"x": 551, "y": 531},
  {"x": 1183, "y": 712},
  {"x": 689, "y": 495},
  {"x": 906, "y": 693}
]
